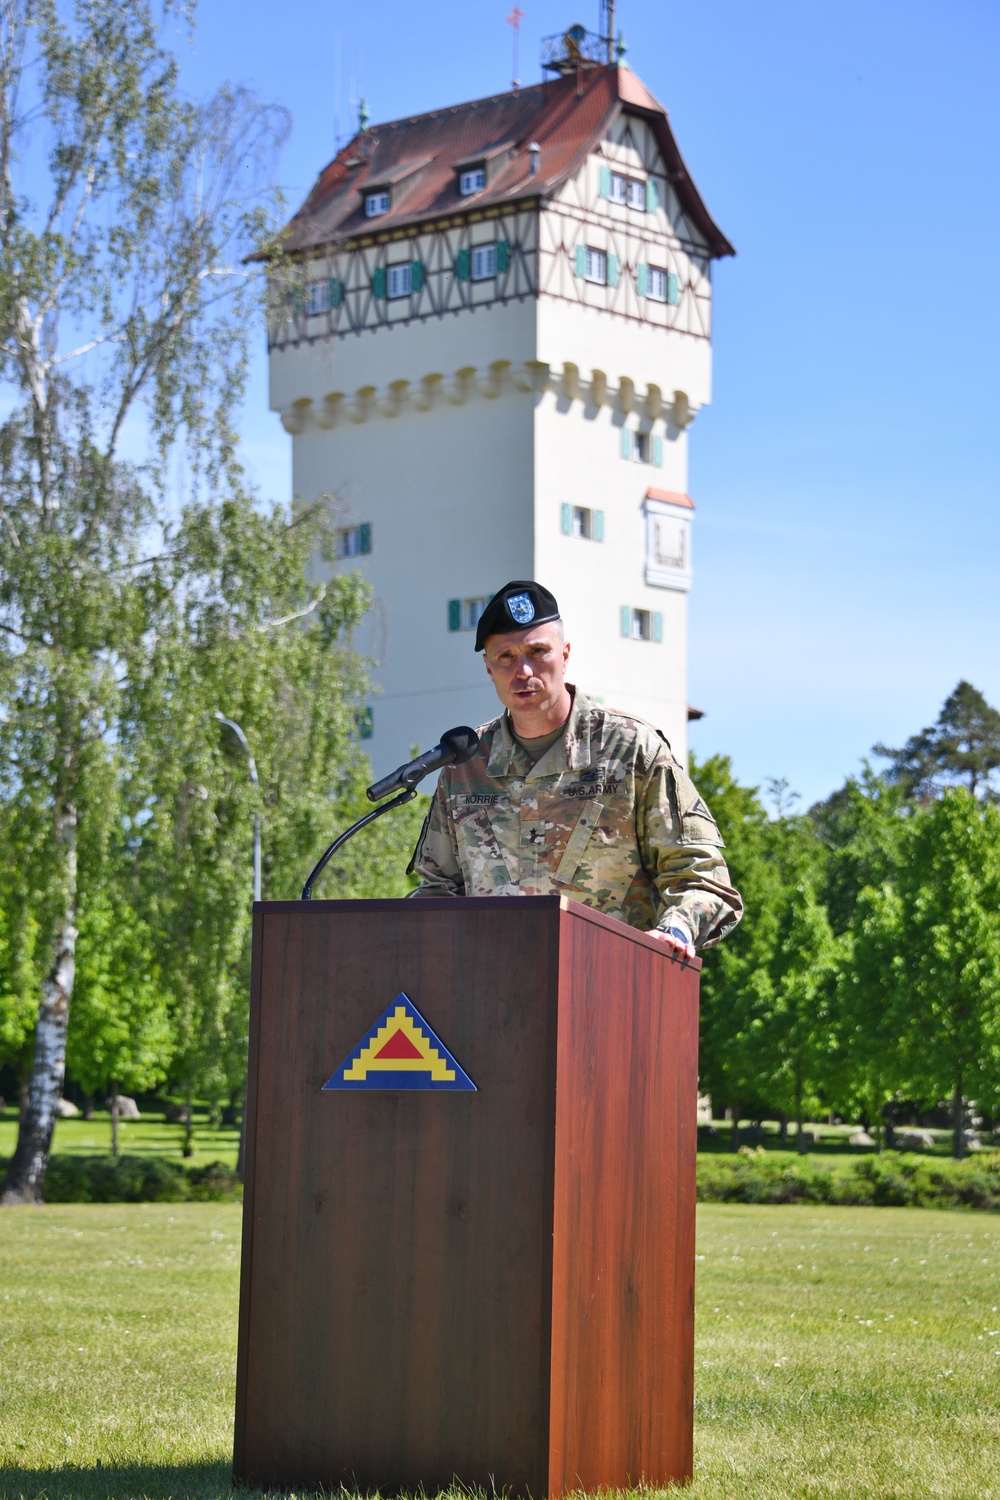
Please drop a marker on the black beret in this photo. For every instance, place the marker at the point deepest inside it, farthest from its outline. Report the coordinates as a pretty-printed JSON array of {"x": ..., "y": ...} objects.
[{"x": 517, "y": 606}]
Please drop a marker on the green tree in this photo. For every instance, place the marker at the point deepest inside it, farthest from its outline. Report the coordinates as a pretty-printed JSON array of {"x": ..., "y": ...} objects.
[
  {"x": 251, "y": 637},
  {"x": 963, "y": 746},
  {"x": 124, "y": 223},
  {"x": 766, "y": 990},
  {"x": 935, "y": 937}
]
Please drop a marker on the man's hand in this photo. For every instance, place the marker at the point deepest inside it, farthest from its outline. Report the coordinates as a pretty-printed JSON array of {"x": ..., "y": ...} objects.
[{"x": 676, "y": 939}]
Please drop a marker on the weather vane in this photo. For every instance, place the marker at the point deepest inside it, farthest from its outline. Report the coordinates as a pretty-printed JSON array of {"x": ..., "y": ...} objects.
[{"x": 514, "y": 19}]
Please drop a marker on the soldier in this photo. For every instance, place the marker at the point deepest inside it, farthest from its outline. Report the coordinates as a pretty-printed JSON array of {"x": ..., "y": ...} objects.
[{"x": 566, "y": 796}]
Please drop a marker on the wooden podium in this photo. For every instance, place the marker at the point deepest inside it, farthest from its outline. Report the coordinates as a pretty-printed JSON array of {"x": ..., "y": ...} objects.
[{"x": 494, "y": 1286}]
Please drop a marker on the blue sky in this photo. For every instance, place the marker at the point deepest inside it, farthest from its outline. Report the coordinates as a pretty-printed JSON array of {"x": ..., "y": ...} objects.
[{"x": 846, "y": 476}]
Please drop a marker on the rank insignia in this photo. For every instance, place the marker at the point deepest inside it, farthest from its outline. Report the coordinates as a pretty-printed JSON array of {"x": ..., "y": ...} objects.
[
  {"x": 521, "y": 608},
  {"x": 400, "y": 1052}
]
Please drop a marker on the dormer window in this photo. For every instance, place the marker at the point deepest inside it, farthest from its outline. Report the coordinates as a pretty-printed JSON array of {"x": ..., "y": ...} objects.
[
  {"x": 376, "y": 204},
  {"x": 472, "y": 181}
]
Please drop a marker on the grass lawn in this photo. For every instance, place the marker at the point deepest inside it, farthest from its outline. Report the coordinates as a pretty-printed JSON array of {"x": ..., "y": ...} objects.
[
  {"x": 841, "y": 1352},
  {"x": 150, "y": 1136}
]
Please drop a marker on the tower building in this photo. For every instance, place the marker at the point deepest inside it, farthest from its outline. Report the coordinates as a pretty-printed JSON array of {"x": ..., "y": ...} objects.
[{"x": 488, "y": 342}]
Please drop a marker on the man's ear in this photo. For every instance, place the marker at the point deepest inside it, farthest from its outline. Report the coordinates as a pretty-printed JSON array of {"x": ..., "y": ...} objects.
[
  {"x": 487, "y": 666},
  {"x": 565, "y": 653}
]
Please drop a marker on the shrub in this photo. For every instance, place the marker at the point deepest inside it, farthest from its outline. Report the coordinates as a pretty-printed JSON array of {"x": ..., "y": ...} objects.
[
  {"x": 137, "y": 1179},
  {"x": 893, "y": 1180}
]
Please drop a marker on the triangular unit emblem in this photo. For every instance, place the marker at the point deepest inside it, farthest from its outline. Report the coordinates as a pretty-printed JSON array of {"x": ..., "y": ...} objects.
[{"x": 400, "y": 1052}]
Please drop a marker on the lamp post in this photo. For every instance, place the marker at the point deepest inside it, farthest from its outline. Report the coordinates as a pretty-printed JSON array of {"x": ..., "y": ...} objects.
[{"x": 252, "y": 768}]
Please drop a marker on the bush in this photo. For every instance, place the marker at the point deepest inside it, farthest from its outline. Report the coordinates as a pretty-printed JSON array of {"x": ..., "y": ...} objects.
[
  {"x": 892, "y": 1179},
  {"x": 137, "y": 1179}
]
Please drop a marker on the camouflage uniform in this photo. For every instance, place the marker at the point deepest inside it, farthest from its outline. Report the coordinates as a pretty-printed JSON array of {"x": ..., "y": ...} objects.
[{"x": 606, "y": 816}]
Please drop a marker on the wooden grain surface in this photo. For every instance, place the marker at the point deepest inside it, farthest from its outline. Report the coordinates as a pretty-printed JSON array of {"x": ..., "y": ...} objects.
[
  {"x": 396, "y": 1290},
  {"x": 493, "y": 1286},
  {"x": 623, "y": 1223}
]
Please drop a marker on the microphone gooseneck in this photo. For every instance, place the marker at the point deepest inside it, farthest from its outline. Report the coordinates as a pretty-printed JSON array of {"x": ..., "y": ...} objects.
[{"x": 457, "y": 746}]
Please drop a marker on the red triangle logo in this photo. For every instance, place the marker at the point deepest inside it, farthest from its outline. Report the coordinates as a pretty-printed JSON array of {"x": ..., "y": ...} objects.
[{"x": 398, "y": 1046}]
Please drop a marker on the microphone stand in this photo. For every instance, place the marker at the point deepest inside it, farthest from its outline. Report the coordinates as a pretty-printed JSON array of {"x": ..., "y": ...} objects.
[{"x": 404, "y": 796}]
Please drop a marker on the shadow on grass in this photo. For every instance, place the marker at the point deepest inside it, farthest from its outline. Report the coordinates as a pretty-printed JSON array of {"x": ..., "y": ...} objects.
[
  {"x": 125, "y": 1482},
  {"x": 209, "y": 1481}
]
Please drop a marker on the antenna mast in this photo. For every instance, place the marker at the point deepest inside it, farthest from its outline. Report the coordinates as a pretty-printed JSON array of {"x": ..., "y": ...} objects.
[{"x": 607, "y": 25}]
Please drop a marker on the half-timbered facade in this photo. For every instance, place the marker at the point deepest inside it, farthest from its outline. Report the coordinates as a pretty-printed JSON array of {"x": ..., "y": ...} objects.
[{"x": 489, "y": 335}]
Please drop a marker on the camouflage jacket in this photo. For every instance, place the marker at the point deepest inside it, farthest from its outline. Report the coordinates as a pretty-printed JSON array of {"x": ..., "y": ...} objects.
[{"x": 606, "y": 816}]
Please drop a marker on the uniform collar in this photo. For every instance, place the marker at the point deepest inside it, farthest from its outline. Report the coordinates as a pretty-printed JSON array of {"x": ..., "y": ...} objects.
[{"x": 571, "y": 753}]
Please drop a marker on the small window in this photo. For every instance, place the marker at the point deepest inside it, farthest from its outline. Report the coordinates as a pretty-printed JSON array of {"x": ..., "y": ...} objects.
[
  {"x": 375, "y": 204},
  {"x": 581, "y": 521},
  {"x": 471, "y": 611},
  {"x": 619, "y": 188},
  {"x": 484, "y": 262},
  {"x": 640, "y": 447},
  {"x": 656, "y": 286},
  {"x": 464, "y": 614},
  {"x": 400, "y": 280},
  {"x": 472, "y": 182},
  {"x": 639, "y": 626},
  {"x": 637, "y": 194},
  {"x": 354, "y": 541},
  {"x": 318, "y": 297},
  {"x": 596, "y": 267},
  {"x": 669, "y": 547}
]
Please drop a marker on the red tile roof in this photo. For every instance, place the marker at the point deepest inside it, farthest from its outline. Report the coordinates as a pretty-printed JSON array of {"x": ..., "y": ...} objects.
[
  {"x": 672, "y": 497},
  {"x": 419, "y": 157}
]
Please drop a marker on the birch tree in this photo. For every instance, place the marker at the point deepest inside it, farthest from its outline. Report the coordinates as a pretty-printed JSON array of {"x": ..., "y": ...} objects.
[{"x": 126, "y": 214}]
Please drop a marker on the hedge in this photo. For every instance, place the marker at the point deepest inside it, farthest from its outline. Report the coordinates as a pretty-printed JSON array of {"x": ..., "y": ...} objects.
[
  {"x": 750, "y": 1176},
  {"x": 891, "y": 1179},
  {"x": 137, "y": 1179}
]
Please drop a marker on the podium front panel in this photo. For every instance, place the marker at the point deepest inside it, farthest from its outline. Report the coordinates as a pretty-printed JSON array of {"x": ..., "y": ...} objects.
[{"x": 395, "y": 1299}]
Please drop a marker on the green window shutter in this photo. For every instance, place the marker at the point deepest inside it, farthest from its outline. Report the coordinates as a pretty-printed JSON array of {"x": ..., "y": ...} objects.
[
  {"x": 605, "y": 184},
  {"x": 378, "y": 282},
  {"x": 416, "y": 275},
  {"x": 658, "y": 452},
  {"x": 673, "y": 288},
  {"x": 298, "y": 301},
  {"x": 657, "y": 625},
  {"x": 454, "y": 614},
  {"x": 503, "y": 255},
  {"x": 612, "y": 270},
  {"x": 598, "y": 526},
  {"x": 652, "y": 196},
  {"x": 365, "y": 725},
  {"x": 625, "y": 619},
  {"x": 336, "y": 292},
  {"x": 581, "y": 260},
  {"x": 642, "y": 279},
  {"x": 626, "y": 442},
  {"x": 365, "y": 537},
  {"x": 566, "y": 521},
  {"x": 463, "y": 265}
]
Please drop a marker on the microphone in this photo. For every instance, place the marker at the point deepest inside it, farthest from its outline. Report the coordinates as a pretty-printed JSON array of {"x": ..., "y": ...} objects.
[{"x": 456, "y": 747}]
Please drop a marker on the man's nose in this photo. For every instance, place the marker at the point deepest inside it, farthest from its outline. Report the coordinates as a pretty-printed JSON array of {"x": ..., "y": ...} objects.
[{"x": 523, "y": 669}]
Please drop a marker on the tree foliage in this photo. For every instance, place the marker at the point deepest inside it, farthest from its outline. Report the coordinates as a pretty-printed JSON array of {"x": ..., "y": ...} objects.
[
  {"x": 126, "y": 213},
  {"x": 962, "y": 746},
  {"x": 866, "y": 971}
]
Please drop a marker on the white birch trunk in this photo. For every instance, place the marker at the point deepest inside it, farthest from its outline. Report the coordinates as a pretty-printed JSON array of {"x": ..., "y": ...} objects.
[{"x": 26, "y": 1174}]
